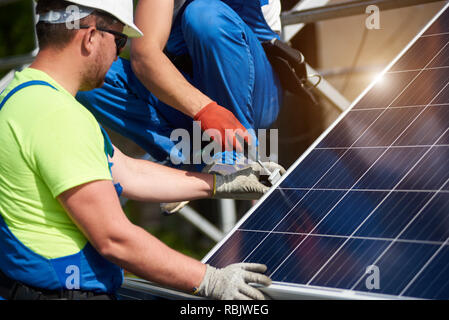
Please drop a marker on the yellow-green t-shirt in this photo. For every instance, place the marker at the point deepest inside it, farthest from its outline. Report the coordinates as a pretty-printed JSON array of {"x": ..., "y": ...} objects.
[{"x": 49, "y": 143}]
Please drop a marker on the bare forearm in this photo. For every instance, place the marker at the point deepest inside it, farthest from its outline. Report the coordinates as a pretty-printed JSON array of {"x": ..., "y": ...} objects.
[
  {"x": 95, "y": 209},
  {"x": 144, "y": 180},
  {"x": 147, "y": 257},
  {"x": 161, "y": 77}
]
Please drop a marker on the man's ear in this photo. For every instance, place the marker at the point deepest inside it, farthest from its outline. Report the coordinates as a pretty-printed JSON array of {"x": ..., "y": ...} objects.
[{"x": 88, "y": 40}]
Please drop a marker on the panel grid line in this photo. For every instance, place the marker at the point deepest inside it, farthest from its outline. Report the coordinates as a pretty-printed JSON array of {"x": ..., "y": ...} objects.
[
  {"x": 365, "y": 190},
  {"x": 401, "y": 107},
  {"x": 337, "y": 236},
  {"x": 400, "y": 93},
  {"x": 402, "y": 231},
  {"x": 414, "y": 70},
  {"x": 397, "y": 184},
  {"x": 434, "y": 34},
  {"x": 403, "y": 90},
  {"x": 383, "y": 147},
  {"x": 369, "y": 200},
  {"x": 428, "y": 262}
]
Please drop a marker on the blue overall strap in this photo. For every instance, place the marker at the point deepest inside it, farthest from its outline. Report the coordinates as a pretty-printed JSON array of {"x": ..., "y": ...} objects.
[
  {"x": 22, "y": 86},
  {"x": 109, "y": 150}
]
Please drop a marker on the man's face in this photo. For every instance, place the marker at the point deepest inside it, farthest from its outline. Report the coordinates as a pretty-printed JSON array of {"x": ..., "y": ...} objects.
[{"x": 103, "y": 56}]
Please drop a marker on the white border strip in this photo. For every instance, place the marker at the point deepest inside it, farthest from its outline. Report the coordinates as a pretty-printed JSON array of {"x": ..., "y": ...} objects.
[
  {"x": 338, "y": 293},
  {"x": 287, "y": 291}
]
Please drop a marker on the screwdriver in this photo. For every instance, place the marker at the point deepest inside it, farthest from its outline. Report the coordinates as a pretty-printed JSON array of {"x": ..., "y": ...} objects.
[{"x": 273, "y": 177}]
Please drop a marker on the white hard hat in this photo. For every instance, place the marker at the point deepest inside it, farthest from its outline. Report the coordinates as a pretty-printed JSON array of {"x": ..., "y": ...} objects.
[{"x": 122, "y": 10}]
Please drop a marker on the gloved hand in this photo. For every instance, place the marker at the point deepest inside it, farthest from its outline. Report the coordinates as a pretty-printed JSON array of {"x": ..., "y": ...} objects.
[
  {"x": 216, "y": 117},
  {"x": 243, "y": 184},
  {"x": 232, "y": 282},
  {"x": 270, "y": 165},
  {"x": 238, "y": 181}
]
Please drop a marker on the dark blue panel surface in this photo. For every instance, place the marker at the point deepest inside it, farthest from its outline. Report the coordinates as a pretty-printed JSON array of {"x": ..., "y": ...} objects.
[
  {"x": 426, "y": 88},
  {"x": 389, "y": 127},
  {"x": 432, "y": 282},
  {"x": 431, "y": 223},
  {"x": 350, "y": 212},
  {"x": 398, "y": 266},
  {"x": 393, "y": 214},
  {"x": 306, "y": 259},
  {"x": 271, "y": 213},
  {"x": 350, "y": 263},
  {"x": 423, "y": 51},
  {"x": 428, "y": 128},
  {"x": 373, "y": 194},
  {"x": 350, "y": 128},
  {"x": 391, "y": 168},
  {"x": 431, "y": 172},
  {"x": 348, "y": 170},
  {"x": 274, "y": 248},
  {"x": 385, "y": 92},
  {"x": 308, "y": 213},
  {"x": 311, "y": 170},
  {"x": 236, "y": 248}
]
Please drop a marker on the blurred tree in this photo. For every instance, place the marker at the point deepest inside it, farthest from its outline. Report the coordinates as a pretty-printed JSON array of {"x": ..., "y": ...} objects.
[{"x": 16, "y": 29}]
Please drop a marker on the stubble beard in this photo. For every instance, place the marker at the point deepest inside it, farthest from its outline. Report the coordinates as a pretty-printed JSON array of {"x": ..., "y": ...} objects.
[{"x": 95, "y": 74}]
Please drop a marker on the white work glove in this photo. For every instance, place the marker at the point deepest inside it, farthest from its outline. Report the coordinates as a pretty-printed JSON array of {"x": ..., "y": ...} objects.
[
  {"x": 244, "y": 184},
  {"x": 239, "y": 181},
  {"x": 270, "y": 165},
  {"x": 232, "y": 282}
]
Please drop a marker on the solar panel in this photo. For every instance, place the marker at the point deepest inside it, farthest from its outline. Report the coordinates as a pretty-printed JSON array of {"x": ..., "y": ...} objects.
[{"x": 365, "y": 211}]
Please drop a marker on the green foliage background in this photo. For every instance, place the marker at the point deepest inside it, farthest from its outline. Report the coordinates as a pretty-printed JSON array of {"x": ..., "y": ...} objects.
[{"x": 16, "y": 30}]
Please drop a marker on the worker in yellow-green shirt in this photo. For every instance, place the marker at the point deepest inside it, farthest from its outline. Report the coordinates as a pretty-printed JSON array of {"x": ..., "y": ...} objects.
[{"x": 63, "y": 233}]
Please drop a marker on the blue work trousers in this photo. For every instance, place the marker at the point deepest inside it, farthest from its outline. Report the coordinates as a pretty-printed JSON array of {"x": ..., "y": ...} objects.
[{"x": 229, "y": 65}]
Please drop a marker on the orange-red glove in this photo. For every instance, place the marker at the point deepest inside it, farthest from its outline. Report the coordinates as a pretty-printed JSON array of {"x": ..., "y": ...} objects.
[{"x": 216, "y": 117}]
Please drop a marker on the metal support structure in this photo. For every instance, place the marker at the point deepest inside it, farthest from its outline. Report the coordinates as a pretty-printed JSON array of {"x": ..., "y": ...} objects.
[
  {"x": 228, "y": 214},
  {"x": 201, "y": 223},
  {"x": 345, "y": 9},
  {"x": 6, "y": 80},
  {"x": 326, "y": 90},
  {"x": 15, "y": 61},
  {"x": 346, "y": 70},
  {"x": 290, "y": 30},
  {"x": 139, "y": 289},
  {"x": 309, "y": 11}
]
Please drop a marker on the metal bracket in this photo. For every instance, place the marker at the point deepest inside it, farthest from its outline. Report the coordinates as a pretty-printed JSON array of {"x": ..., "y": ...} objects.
[{"x": 310, "y": 14}]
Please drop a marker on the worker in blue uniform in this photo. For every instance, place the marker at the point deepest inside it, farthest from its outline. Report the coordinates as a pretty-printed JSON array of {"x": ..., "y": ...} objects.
[
  {"x": 63, "y": 233},
  {"x": 199, "y": 60}
]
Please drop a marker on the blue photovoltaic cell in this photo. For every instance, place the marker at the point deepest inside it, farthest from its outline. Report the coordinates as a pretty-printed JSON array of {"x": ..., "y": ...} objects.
[
  {"x": 384, "y": 93},
  {"x": 373, "y": 193},
  {"x": 427, "y": 128}
]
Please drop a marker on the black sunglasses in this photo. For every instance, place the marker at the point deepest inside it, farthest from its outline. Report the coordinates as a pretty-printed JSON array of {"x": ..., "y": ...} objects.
[{"x": 120, "y": 38}]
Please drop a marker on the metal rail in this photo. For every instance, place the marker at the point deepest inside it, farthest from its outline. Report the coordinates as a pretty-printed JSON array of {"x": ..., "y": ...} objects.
[{"x": 345, "y": 9}]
